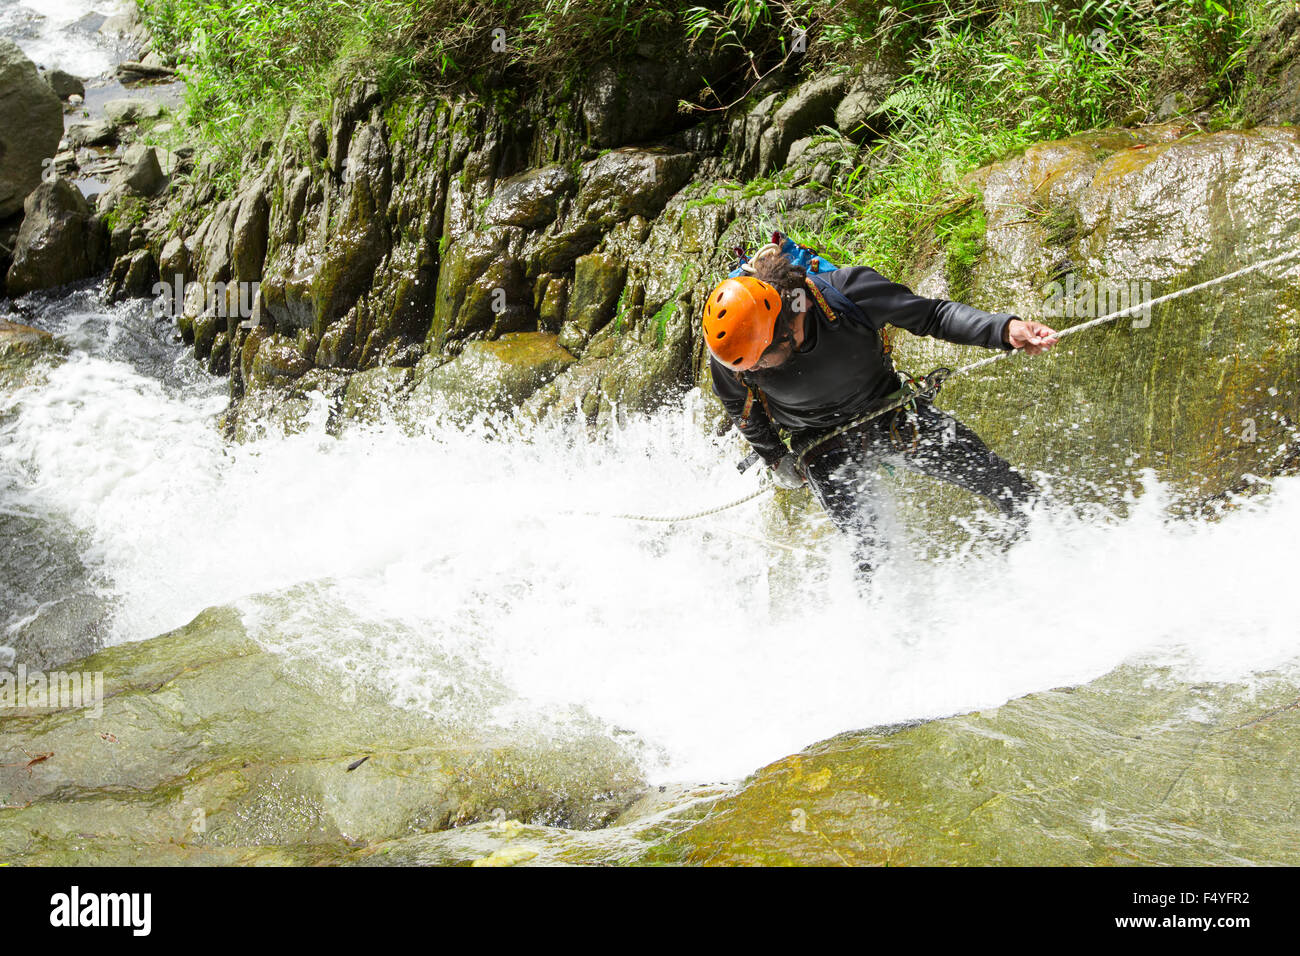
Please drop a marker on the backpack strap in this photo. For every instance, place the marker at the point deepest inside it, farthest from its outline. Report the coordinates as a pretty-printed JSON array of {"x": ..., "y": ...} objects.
[
  {"x": 886, "y": 345},
  {"x": 750, "y": 393}
]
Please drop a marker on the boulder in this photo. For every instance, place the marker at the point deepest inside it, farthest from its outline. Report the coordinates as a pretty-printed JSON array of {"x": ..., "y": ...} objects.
[
  {"x": 597, "y": 281},
  {"x": 92, "y": 133},
  {"x": 858, "y": 114},
  {"x": 1079, "y": 228},
  {"x": 530, "y": 199},
  {"x": 65, "y": 85},
  {"x": 132, "y": 109},
  {"x": 59, "y": 242},
  {"x": 207, "y": 747},
  {"x": 134, "y": 275},
  {"x": 612, "y": 189},
  {"x": 811, "y": 105},
  {"x": 31, "y": 126},
  {"x": 481, "y": 288},
  {"x": 1098, "y": 775},
  {"x": 23, "y": 341}
]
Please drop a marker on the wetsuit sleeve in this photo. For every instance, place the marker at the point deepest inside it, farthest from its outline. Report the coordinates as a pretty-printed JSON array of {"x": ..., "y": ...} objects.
[
  {"x": 889, "y": 303},
  {"x": 759, "y": 431}
]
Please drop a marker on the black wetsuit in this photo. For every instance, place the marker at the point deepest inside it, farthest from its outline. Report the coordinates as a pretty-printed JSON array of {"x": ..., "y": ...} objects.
[{"x": 840, "y": 372}]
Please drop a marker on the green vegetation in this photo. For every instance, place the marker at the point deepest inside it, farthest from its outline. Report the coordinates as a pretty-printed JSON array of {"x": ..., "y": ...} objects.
[
  {"x": 129, "y": 209},
  {"x": 980, "y": 79},
  {"x": 983, "y": 81},
  {"x": 961, "y": 232}
]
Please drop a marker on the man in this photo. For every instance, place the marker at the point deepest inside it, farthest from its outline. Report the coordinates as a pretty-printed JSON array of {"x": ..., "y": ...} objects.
[{"x": 807, "y": 353}]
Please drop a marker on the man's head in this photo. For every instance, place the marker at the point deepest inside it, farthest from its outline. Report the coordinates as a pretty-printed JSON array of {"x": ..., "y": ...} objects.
[{"x": 748, "y": 321}]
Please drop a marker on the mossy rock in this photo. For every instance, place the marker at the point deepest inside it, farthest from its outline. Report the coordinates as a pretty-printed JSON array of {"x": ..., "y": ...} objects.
[
  {"x": 494, "y": 376},
  {"x": 1202, "y": 389},
  {"x": 209, "y": 747},
  {"x": 1133, "y": 769}
]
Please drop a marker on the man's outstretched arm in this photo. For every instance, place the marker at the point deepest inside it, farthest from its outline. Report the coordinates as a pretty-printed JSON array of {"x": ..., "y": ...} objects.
[{"x": 890, "y": 303}]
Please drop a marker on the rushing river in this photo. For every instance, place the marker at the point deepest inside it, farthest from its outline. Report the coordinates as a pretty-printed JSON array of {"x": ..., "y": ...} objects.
[{"x": 458, "y": 569}]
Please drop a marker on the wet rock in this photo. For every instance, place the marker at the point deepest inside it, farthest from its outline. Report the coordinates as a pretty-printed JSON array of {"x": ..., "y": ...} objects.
[
  {"x": 23, "y": 342},
  {"x": 175, "y": 261},
  {"x": 278, "y": 361},
  {"x": 998, "y": 788},
  {"x": 1082, "y": 227},
  {"x": 554, "y": 305},
  {"x": 31, "y": 126},
  {"x": 248, "y": 235},
  {"x": 93, "y": 133},
  {"x": 811, "y": 105},
  {"x": 530, "y": 199},
  {"x": 128, "y": 110},
  {"x": 597, "y": 281},
  {"x": 747, "y": 134},
  {"x": 371, "y": 395},
  {"x": 359, "y": 239},
  {"x": 482, "y": 288},
  {"x": 64, "y": 84},
  {"x": 492, "y": 376},
  {"x": 132, "y": 276},
  {"x": 612, "y": 188},
  {"x": 636, "y": 100},
  {"x": 59, "y": 241},
  {"x": 271, "y": 750}
]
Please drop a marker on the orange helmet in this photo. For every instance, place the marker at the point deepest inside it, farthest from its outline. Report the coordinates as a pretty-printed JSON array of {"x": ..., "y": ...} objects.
[{"x": 740, "y": 321}]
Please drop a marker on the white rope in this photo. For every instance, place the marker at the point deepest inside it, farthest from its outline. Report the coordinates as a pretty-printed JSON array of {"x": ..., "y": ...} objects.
[
  {"x": 670, "y": 519},
  {"x": 1092, "y": 323}
]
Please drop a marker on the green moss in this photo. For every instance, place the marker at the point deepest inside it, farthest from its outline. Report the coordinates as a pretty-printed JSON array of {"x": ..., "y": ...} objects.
[
  {"x": 962, "y": 233},
  {"x": 129, "y": 210}
]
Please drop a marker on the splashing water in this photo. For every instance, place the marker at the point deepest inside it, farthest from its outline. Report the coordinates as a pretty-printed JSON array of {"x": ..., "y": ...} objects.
[
  {"x": 455, "y": 568},
  {"x": 64, "y": 34}
]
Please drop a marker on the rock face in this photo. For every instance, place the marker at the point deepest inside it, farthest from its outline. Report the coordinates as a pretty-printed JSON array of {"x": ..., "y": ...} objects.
[
  {"x": 1203, "y": 389},
  {"x": 60, "y": 240},
  {"x": 64, "y": 84},
  {"x": 208, "y": 747},
  {"x": 31, "y": 125},
  {"x": 1275, "y": 62}
]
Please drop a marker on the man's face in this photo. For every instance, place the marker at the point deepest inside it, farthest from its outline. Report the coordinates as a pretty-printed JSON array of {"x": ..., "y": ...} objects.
[{"x": 781, "y": 348}]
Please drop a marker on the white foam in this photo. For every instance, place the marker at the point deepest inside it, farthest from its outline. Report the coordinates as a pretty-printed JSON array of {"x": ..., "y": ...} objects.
[
  {"x": 450, "y": 569},
  {"x": 45, "y": 31}
]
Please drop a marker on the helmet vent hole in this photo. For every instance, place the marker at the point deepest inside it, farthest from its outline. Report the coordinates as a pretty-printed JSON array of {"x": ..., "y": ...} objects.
[
  {"x": 737, "y": 361},
  {"x": 721, "y": 313},
  {"x": 720, "y": 335}
]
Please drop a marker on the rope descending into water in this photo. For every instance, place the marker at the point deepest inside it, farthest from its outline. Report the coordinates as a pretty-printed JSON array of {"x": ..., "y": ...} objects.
[
  {"x": 930, "y": 385},
  {"x": 669, "y": 519}
]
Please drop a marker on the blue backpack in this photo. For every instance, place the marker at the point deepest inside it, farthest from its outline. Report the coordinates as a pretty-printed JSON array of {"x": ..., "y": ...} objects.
[{"x": 812, "y": 261}]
